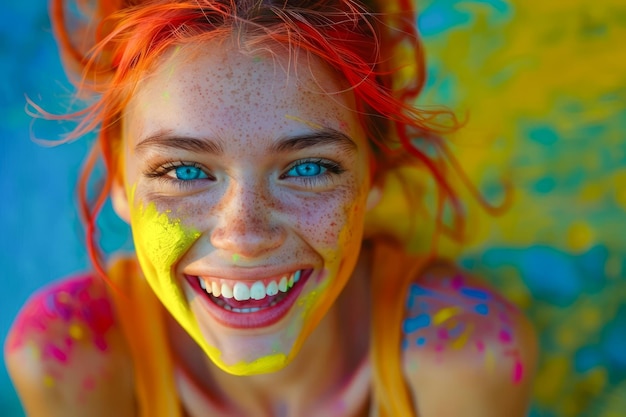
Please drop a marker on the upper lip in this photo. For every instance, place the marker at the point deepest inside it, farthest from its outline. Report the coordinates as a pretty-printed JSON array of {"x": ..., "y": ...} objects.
[{"x": 246, "y": 274}]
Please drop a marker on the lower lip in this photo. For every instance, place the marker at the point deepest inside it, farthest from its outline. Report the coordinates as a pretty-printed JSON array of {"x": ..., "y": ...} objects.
[{"x": 263, "y": 318}]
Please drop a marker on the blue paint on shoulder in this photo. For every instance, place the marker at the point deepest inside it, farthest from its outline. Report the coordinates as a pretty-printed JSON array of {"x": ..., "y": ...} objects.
[
  {"x": 417, "y": 290},
  {"x": 413, "y": 324},
  {"x": 421, "y": 341},
  {"x": 482, "y": 309},
  {"x": 475, "y": 293}
]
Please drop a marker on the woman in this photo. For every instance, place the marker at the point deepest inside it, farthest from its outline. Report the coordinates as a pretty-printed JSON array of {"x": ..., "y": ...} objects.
[{"x": 248, "y": 144}]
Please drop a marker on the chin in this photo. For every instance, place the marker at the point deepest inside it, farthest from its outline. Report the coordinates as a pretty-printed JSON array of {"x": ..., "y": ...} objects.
[{"x": 242, "y": 343}]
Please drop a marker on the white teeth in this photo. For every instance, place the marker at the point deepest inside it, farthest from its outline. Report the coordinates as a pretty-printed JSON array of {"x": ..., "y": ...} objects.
[
  {"x": 257, "y": 291},
  {"x": 216, "y": 289},
  {"x": 227, "y": 292},
  {"x": 282, "y": 285},
  {"x": 245, "y": 310},
  {"x": 241, "y": 292},
  {"x": 272, "y": 288}
]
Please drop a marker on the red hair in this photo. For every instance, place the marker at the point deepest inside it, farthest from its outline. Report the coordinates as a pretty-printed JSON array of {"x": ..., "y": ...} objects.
[{"x": 108, "y": 59}]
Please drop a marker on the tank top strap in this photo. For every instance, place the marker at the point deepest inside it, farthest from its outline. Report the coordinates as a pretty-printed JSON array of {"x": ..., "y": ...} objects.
[{"x": 141, "y": 317}]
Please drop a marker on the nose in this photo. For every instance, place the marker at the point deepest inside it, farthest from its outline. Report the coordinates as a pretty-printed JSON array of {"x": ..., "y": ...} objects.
[{"x": 247, "y": 224}]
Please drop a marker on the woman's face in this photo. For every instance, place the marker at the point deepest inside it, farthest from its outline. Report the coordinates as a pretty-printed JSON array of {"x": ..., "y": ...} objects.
[{"x": 246, "y": 179}]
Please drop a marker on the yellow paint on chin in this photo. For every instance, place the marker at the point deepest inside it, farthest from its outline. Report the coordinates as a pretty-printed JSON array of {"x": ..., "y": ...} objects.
[{"x": 160, "y": 242}]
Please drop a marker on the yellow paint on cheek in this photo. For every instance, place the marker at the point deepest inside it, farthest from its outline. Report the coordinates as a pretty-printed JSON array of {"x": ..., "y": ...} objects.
[{"x": 160, "y": 243}]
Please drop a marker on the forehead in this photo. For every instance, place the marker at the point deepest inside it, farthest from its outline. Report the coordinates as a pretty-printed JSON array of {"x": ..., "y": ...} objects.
[{"x": 215, "y": 87}]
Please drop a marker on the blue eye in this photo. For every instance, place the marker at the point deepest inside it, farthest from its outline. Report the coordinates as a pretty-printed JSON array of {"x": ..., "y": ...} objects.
[
  {"x": 307, "y": 169},
  {"x": 189, "y": 173}
]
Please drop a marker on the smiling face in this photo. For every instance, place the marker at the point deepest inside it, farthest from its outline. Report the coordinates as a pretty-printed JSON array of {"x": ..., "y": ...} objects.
[{"x": 246, "y": 186}]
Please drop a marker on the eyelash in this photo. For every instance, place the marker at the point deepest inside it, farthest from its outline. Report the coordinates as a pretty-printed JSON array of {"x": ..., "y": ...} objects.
[
  {"x": 160, "y": 172},
  {"x": 332, "y": 169}
]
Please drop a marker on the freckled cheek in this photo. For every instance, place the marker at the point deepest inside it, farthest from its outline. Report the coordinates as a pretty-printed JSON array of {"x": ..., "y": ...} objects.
[{"x": 327, "y": 222}]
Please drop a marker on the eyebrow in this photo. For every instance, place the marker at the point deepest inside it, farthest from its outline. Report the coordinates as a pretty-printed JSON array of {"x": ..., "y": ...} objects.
[
  {"x": 326, "y": 136},
  {"x": 165, "y": 140},
  {"x": 322, "y": 137}
]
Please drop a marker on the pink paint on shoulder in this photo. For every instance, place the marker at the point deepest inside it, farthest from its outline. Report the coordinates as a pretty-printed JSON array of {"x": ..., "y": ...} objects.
[
  {"x": 504, "y": 336},
  {"x": 442, "y": 334},
  {"x": 54, "y": 352},
  {"x": 480, "y": 346},
  {"x": 89, "y": 383},
  {"x": 77, "y": 305},
  {"x": 457, "y": 282},
  {"x": 518, "y": 372}
]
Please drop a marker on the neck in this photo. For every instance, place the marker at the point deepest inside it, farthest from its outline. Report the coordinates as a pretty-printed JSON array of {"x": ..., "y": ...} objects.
[{"x": 329, "y": 367}]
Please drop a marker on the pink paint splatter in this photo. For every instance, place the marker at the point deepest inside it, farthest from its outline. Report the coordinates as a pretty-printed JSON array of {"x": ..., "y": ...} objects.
[
  {"x": 442, "y": 334},
  {"x": 75, "y": 302},
  {"x": 480, "y": 346},
  {"x": 52, "y": 351},
  {"x": 518, "y": 372},
  {"x": 457, "y": 282},
  {"x": 504, "y": 336}
]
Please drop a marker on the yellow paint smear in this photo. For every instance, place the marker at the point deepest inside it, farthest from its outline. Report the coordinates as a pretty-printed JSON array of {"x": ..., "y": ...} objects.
[
  {"x": 160, "y": 242},
  {"x": 445, "y": 314},
  {"x": 463, "y": 338},
  {"x": 306, "y": 122},
  {"x": 76, "y": 332}
]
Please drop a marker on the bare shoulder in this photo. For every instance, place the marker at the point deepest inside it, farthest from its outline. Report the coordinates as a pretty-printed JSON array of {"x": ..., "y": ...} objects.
[
  {"x": 66, "y": 354},
  {"x": 466, "y": 350}
]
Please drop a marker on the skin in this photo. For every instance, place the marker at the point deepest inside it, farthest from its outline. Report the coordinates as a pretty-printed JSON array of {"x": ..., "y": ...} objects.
[
  {"x": 247, "y": 208},
  {"x": 248, "y": 216}
]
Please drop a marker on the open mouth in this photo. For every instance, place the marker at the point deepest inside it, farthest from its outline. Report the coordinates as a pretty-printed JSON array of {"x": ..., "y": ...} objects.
[{"x": 246, "y": 304}]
